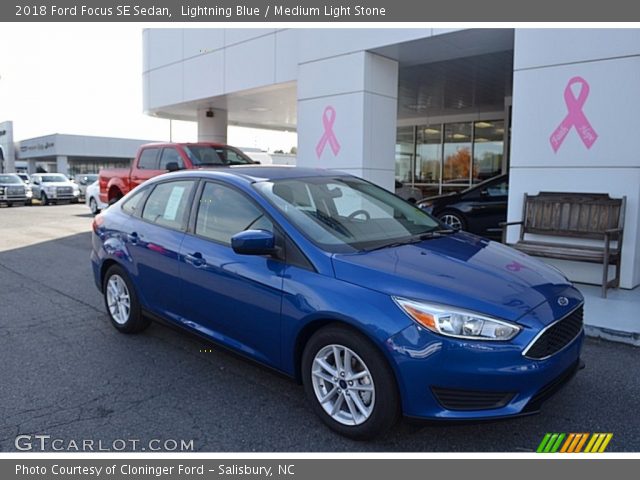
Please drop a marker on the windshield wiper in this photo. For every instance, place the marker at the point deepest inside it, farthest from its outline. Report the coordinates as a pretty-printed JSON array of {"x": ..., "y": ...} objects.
[{"x": 413, "y": 239}]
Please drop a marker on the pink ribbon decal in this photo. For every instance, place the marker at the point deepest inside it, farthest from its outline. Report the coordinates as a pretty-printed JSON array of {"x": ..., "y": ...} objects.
[
  {"x": 328, "y": 118},
  {"x": 515, "y": 266},
  {"x": 575, "y": 117}
]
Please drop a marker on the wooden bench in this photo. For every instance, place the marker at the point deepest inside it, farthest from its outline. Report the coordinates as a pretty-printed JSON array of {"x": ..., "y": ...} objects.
[{"x": 593, "y": 216}]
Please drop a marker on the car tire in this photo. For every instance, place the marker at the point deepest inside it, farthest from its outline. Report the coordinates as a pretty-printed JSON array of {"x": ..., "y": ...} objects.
[
  {"x": 453, "y": 219},
  {"x": 378, "y": 405},
  {"x": 93, "y": 205},
  {"x": 121, "y": 301},
  {"x": 43, "y": 199}
]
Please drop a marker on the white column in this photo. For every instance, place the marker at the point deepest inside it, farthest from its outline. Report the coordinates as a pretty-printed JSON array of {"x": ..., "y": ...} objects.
[
  {"x": 6, "y": 143},
  {"x": 347, "y": 109},
  {"x": 31, "y": 166},
  {"x": 212, "y": 125},
  {"x": 575, "y": 74},
  {"x": 62, "y": 164}
]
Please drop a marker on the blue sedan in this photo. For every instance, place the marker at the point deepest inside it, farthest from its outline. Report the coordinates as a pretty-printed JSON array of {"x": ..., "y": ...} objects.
[{"x": 376, "y": 307}]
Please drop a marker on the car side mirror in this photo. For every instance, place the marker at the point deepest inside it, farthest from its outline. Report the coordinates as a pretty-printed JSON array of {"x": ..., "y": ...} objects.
[
  {"x": 254, "y": 242},
  {"x": 173, "y": 166}
]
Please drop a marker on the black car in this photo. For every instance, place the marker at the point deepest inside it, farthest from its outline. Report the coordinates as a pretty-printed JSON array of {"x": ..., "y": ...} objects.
[{"x": 478, "y": 209}]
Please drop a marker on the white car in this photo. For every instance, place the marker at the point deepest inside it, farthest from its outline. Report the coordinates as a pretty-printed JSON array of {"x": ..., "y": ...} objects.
[
  {"x": 92, "y": 198},
  {"x": 53, "y": 188}
]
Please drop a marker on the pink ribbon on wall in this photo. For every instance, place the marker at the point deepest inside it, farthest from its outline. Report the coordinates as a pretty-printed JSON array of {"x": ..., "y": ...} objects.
[
  {"x": 328, "y": 119},
  {"x": 575, "y": 117}
]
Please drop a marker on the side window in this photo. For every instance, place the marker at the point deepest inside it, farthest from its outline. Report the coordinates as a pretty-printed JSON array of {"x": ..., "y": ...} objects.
[
  {"x": 148, "y": 159},
  {"x": 223, "y": 212},
  {"x": 168, "y": 204},
  {"x": 500, "y": 189},
  {"x": 170, "y": 155},
  {"x": 231, "y": 156},
  {"x": 133, "y": 203}
]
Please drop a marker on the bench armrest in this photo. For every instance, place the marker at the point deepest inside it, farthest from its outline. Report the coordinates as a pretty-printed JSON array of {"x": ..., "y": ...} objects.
[
  {"x": 504, "y": 226},
  {"x": 508, "y": 224},
  {"x": 613, "y": 231}
]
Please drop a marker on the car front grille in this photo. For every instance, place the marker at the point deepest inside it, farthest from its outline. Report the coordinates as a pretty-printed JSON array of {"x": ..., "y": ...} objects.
[
  {"x": 453, "y": 399},
  {"x": 557, "y": 336},
  {"x": 64, "y": 191},
  {"x": 15, "y": 191}
]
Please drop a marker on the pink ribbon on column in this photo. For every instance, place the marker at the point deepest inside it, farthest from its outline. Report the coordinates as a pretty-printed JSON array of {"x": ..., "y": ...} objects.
[
  {"x": 328, "y": 118},
  {"x": 575, "y": 117}
]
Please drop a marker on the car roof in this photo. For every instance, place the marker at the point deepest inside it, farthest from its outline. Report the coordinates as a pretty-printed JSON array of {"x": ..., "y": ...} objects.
[
  {"x": 256, "y": 173},
  {"x": 186, "y": 144}
]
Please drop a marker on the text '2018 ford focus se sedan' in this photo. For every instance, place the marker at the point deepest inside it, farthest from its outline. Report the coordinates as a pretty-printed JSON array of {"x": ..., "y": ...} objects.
[{"x": 379, "y": 309}]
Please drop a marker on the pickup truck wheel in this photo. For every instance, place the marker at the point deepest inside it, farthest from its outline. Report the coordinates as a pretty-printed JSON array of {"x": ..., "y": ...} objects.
[
  {"x": 43, "y": 199},
  {"x": 121, "y": 301},
  {"x": 93, "y": 205}
]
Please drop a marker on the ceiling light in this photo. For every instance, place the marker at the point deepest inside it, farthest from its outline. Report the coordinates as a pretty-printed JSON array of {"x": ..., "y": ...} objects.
[
  {"x": 481, "y": 139},
  {"x": 431, "y": 131},
  {"x": 458, "y": 136},
  {"x": 484, "y": 125},
  {"x": 258, "y": 109},
  {"x": 500, "y": 130}
]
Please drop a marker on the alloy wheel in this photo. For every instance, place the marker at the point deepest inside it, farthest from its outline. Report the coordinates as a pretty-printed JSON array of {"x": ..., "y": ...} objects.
[
  {"x": 452, "y": 220},
  {"x": 343, "y": 385},
  {"x": 118, "y": 299}
]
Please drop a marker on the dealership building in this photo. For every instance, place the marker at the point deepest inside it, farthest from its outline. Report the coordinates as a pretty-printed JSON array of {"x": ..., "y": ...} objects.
[
  {"x": 61, "y": 153},
  {"x": 439, "y": 109}
]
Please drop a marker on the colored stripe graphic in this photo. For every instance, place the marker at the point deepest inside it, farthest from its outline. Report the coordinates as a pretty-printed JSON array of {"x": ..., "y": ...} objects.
[{"x": 574, "y": 442}]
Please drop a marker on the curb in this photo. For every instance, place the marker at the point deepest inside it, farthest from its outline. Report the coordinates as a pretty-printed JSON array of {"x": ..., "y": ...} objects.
[{"x": 630, "y": 338}]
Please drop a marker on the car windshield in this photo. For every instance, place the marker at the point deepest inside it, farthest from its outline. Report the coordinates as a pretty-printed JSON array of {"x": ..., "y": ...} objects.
[
  {"x": 346, "y": 214},
  {"x": 54, "y": 178},
  {"x": 204, "y": 155},
  {"x": 8, "y": 179}
]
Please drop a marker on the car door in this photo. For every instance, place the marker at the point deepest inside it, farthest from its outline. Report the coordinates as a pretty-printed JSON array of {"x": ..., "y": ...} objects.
[
  {"x": 154, "y": 237},
  {"x": 170, "y": 155},
  {"x": 232, "y": 298},
  {"x": 147, "y": 167},
  {"x": 488, "y": 207}
]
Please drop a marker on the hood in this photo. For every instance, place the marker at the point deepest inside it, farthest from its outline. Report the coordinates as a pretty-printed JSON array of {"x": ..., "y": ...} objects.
[
  {"x": 58, "y": 184},
  {"x": 459, "y": 270}
]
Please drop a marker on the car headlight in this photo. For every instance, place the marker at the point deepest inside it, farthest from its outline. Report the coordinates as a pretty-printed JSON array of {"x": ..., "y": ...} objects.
[
  {"x": 1, "y": 190},
  {"x": 457, "y": 323}
]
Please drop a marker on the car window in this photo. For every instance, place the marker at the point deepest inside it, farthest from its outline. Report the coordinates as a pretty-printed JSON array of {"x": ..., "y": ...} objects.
[
  {"x": 223, "y": 212},
  {"x": 168, "y": 204},
  {"x": 500, "y": 189},
  {"x": 148, "y": 159},
  {"x": 170, "y": 155},
  {"x": 132, "y": 204}
]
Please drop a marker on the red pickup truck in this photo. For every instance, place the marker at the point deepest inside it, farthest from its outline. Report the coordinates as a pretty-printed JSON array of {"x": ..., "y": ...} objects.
[{"x": 157, "y": 158}]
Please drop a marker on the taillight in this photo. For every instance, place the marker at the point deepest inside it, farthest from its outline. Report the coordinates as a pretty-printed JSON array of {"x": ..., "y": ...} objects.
[{"x": 98, "y": 220}]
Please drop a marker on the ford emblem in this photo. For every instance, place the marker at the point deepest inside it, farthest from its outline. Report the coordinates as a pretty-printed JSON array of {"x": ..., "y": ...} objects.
[{"x": 563, "y": 301}]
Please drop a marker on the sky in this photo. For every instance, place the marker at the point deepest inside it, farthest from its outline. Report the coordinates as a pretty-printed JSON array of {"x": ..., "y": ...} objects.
[{"x": 87, "y": 80}]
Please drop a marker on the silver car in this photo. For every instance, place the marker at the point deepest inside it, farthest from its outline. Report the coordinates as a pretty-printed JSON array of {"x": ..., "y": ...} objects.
[
  {"x": 13, "y": 191},
  {"x": 54, "y": 188},
  {"x": 83, "y": 181}
]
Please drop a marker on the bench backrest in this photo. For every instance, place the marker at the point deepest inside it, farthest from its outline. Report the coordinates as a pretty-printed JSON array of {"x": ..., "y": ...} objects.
[{"x": 583, "y": 215}]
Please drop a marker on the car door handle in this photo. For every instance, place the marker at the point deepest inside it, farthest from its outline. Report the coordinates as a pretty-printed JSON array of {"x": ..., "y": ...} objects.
[
  {"x": 196, "y": 259},
  {"x": 133, "y": 237}
]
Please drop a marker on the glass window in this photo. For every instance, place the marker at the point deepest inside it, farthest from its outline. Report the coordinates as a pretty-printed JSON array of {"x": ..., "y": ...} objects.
[
  {"x": 10, "y": 179},
  {"x": 457, "y": 154},
  {"x": 132, "y": 204},
  {"x": 487, "y": 149},
  {"x": 223, "y": 212},
  {"x": 428, "y": 154},
  {"x": 148, "y": 159},
  {"x": 201, "y": 155},
  {"x": 168, "y": 204},
  {"x": 405, "y": 147},
  {"x": 170, "y": 155},
  {"x": 499, "y": 189}
]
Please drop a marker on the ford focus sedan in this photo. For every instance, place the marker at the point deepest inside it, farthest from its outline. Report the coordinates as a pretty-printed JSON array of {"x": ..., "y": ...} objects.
[{"x": 377, "y": 308}]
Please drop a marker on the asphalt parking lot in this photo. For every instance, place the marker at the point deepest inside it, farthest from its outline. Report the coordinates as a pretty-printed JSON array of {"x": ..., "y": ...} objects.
[{"x": 67, "y": 373}]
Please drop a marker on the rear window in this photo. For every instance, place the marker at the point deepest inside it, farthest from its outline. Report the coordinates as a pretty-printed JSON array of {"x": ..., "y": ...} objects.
[
  {"x": 168, "y": 204},
  {"x": 203, "y": 155}
]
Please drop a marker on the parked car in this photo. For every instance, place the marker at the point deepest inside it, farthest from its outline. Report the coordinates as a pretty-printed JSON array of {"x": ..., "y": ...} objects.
[
  {"x": 409, "y": 193},
  {"x": 83, "y": 181},
  {"x": 54, "y": 188},
  {"x": 478, "y": 209},
  {"x": 24, "y": 177},
  {"x": 340, "y": 284},
  {"x": 13, "y": 191},
  {"x": 92, "y": 198},
  {"x": 158, "y": 158}
]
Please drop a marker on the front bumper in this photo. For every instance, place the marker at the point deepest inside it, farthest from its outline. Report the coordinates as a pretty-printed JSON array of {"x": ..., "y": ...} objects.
[{"x": 445, "y": 378}]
